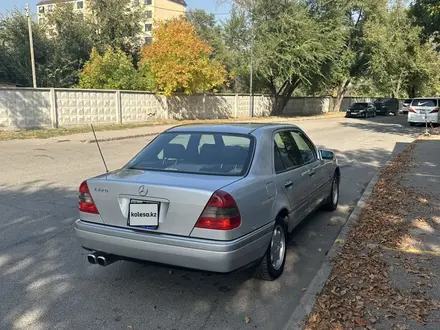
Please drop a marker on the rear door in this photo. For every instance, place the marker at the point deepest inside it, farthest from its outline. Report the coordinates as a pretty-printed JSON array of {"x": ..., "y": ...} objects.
[{"x": 292, "y": 177}]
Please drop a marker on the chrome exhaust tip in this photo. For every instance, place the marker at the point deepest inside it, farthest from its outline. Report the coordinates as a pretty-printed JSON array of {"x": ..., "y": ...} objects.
[
  {"x": 102, "y": 261},
  {"x": 91, "y": 258},
  {"x": 106, "y": 259}
]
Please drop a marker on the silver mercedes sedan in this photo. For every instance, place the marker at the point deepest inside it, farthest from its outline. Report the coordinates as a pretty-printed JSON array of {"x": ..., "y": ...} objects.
[{"x": 209, "y": 197}]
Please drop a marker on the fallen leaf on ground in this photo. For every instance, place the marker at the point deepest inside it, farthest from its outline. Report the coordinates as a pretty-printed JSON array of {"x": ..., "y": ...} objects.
[
  {"x": 361, "y": 322},
  {"x": 247, "y": 320}
]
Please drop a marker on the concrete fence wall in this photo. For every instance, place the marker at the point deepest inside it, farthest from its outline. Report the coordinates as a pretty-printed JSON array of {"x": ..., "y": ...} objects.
[{"x": 29, "y": 108}]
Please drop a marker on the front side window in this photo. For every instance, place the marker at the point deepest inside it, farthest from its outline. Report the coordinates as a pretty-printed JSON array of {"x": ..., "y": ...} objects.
[
  {"x": 197, "y": 153},
  {"x": 305, "y": 147}
]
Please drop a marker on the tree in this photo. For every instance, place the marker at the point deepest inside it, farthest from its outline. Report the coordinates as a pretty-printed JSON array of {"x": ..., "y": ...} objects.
[
  {"x": 209, "y": 31},
  {"x": 71, "y": 37},
  {"x": 113, "y": 70},
  {"x": 180, "y": 61},
  {"x": 117, "y": 23},
  {"x": 14, "y": 45},
  {"x": 351, "y": 63},
  {"x": 392, "y": 41},
  {"x": 427, "y": 14},
  {"x": 292, "y": 42}
]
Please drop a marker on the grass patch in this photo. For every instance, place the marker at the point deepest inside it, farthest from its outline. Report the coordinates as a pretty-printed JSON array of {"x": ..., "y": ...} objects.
[{"x": 63, "y": 131}]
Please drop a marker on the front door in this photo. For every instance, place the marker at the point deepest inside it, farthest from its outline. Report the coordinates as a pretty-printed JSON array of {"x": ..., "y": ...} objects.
[{"x": 292, "y": 177}]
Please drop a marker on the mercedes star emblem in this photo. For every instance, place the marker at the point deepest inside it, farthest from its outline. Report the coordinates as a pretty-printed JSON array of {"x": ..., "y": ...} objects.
[{"x": 143, "y": 191}]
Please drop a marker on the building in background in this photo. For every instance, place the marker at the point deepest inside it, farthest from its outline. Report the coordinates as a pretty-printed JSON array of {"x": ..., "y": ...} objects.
[{"x": 155, "y": 10}]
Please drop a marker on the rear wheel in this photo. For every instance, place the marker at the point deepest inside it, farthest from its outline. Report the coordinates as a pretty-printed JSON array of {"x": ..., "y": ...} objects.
[
  {"x": 333, "y": 200},
  {"x": 272, "y": 265}
]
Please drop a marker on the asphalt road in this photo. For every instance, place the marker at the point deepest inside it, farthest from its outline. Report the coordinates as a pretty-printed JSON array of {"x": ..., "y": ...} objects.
[{"x": 46, "y": 282}]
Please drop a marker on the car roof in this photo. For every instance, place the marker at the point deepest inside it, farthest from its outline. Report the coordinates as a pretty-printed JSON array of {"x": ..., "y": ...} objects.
[{"x": 234, "y": 128}]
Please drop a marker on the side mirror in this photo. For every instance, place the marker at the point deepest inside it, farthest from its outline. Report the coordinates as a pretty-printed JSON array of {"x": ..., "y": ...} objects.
[{"x": 327, "y": 154}]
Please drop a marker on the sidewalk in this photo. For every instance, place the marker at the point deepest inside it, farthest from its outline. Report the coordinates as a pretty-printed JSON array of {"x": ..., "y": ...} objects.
[{"x": 387, "y": 275}]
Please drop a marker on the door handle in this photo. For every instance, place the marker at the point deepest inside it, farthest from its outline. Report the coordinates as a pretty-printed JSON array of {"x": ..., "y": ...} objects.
[
  {"x": 312, "y": 172},
  {"x": 288, "y": 184}
]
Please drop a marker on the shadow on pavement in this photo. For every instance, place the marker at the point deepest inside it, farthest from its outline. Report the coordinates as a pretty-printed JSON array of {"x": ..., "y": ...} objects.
[{"x": 390, "y": 125}]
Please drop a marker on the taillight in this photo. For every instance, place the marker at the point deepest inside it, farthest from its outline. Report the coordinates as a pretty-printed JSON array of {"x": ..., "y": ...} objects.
[
  {"x": 434, "y": 111},
  {"x": 220, "y": 213},
  {"x": 412, "y": 110},
  {"x": 86, "y": 203}
]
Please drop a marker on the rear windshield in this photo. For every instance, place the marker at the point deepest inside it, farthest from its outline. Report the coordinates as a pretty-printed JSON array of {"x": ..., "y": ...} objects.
[
  {"x": 359, "y": 106},
  {"x": 424, "y": 103},
  {"x": 197, "y": 153}
]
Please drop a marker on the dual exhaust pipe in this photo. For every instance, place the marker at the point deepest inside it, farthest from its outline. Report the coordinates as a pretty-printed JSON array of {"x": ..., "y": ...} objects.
[{"x": 102, "y": 259}]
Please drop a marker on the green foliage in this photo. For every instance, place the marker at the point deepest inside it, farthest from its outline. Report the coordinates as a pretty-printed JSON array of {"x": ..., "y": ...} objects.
[
  {"x": 15, "y": 65},
  {"x": 117, "y": 23},
  {"x": 113, "y": 70},
  {"x": 71, "y": 39},
  {"x": 427, "y": 15}
]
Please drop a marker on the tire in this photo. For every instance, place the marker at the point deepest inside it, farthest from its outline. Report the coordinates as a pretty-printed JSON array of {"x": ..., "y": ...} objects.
[
  {"x": 332, "y": 201},
  {"x": 269, "y": 269}
]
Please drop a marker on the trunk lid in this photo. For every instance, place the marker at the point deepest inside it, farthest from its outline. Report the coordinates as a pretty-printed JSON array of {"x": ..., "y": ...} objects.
[{"x": 178, "y": 198}]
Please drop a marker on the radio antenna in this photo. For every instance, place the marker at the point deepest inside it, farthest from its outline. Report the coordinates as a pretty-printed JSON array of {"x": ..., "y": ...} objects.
[{"x": 99, "y": 148}]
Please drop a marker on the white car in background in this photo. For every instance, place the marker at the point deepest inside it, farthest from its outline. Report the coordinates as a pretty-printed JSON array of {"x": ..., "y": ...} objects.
[{"x": 424, "y": 110}]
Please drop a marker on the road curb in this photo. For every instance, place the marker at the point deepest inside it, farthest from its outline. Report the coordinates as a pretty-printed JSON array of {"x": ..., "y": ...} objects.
[
  {"x": 120, "y": 138},
  {"x": 308, "y": 301}
]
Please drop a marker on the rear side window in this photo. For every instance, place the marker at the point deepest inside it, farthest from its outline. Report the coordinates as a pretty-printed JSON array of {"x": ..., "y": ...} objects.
[
  {"x": 425, "y": 103},
  {"x": 197, "y": 153}
]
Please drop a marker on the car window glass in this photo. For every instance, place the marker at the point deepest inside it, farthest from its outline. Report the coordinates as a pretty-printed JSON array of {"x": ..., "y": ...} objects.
[
  {"x": 181, "y": 139},
  {"x": 290, "y": 154},
  {"x": 304, "y": 145},
  {"x": 424, "y": 103},
  {"x": 206, "y": 139},
  {"x": 193, "y": 153},
  {"x": 279, "y": 166}
]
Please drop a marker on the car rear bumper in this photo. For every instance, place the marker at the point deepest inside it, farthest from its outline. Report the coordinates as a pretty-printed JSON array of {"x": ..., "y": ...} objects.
[
  {"x": 420, "y": 118},
  {"x": 208, "y": 255}
]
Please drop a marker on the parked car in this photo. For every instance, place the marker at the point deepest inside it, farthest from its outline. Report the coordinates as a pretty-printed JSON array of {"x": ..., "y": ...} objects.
[
  {"x": 364, "y": 110},
  {"x": 424, "y": 109},
  {"x": 386, "y": 106},
  {"x": 209, "y": 197},
  {"x": 405, "y": 106}
]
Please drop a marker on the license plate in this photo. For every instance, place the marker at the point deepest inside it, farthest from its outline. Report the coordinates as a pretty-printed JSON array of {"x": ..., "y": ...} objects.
[{"x": 143, "y": 214}]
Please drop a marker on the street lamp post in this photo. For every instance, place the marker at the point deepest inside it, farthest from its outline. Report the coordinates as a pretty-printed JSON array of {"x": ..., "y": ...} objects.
[
  {"x": 31, "y": 45},
  {"x": 251, "y": 66}
]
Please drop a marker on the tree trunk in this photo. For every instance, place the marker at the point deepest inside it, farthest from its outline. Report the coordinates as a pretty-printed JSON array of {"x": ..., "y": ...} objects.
[
  {"x": 282, "y": 97},
  {"x": 340, "y": 95}
]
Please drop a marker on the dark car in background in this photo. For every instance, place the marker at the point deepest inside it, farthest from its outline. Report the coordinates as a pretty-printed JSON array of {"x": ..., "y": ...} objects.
[
  {"x": 406, "y": 105},
  {"x": 361, "y": 109},
  {"x": 386, "y": 106}
]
